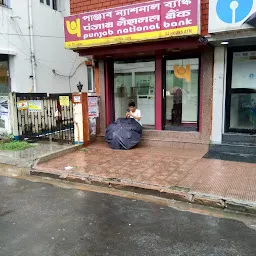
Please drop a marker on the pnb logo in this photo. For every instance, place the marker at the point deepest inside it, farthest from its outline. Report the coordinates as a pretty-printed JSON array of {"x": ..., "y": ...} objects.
[
  {"x": 233, "y": 11},
  {"x": 74, "y": 27}
]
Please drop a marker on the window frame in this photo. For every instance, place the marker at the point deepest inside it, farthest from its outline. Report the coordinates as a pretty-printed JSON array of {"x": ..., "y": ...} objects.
[
  {"x": 91, "y": 72},
  {"x": 6, "y": 58},
  {"x": 134, "y": 59},
  {"x": 181, "y": 56},
  {"x": 230, "y": 90},
  {"x": 5, "y": 3},
  {"x": 53, "y": 4}
]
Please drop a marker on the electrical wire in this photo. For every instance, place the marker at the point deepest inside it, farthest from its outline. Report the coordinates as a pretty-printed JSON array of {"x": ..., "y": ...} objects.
[
  {"x": 42, "y": 64},
  {"x": 35, "y": 35},
  {"x": 58, "y": 74},
  {"x": 9, "y": 42},
  {"x": 16, "y": 26}
]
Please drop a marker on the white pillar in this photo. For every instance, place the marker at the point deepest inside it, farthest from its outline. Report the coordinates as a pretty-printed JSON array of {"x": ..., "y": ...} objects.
[
  {"x": 13, "y": 115},
  {"x": 219, "y": 93}
]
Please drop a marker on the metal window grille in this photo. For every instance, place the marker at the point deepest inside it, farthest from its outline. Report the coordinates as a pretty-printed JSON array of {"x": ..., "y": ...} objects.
[{"x": 4, "y": 2}]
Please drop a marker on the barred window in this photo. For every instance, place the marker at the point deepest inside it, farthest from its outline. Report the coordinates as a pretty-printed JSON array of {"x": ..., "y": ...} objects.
[
  {"x": 52, "y": 3},
  {"x": 4, "y": 2}
]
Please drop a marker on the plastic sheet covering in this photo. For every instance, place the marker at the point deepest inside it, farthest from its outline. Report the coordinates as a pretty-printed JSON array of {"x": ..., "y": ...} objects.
[
  {"x": 125, "y": 133},
  {"x": 251, "y": 20}
]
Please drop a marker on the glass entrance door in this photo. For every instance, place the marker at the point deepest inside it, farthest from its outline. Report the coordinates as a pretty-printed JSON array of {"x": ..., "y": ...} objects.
[
  {"x": 241, "y": 92},
  {"x": 135, "y": 81},
  {"x": 181, "y": 94}
]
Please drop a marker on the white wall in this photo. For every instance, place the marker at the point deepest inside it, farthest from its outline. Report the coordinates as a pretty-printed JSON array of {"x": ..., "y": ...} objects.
[
  {"x": 49, "y": 48},
  {"x": 219, "y": 88}
]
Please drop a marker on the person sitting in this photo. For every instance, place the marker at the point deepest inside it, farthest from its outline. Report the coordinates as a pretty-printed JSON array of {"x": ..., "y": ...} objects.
[{"x": 134, "y": 113}]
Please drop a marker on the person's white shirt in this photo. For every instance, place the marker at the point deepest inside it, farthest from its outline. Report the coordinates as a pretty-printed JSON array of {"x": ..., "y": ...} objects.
[{"x": 136, "y": 113}]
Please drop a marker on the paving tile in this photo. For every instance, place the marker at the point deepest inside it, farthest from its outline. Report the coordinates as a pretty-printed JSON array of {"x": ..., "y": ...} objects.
[{"x": 163, "y": 167}]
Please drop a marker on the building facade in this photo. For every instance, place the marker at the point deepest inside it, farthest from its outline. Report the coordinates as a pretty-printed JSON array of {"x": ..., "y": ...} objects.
[
  {"x": 232, "y": 33},
  {"x": 32, "y": 54},
  {"x": 152, "y": 53}
]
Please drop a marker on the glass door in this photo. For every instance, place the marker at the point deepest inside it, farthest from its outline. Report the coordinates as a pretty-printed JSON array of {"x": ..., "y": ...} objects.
[
  {"x": 135, "y": 81},
  {"x": 241, "y": 92},
  {"x": 181, "y": 94}
]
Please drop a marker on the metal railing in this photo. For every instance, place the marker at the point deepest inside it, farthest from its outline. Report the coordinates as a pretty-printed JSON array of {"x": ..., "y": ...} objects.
[{"x": 42, "y": 117}]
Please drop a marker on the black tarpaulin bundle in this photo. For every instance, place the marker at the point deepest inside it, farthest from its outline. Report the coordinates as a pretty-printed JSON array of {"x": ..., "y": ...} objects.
[{"x": 125, "y": 133}]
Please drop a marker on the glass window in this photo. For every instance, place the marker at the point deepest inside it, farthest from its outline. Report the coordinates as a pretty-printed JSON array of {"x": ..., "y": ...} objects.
[
  {"x": 4, "y": 74},
  {"x": 135, "y": 81},
  {"x": 244, "y": 70},
  {"x": 243, "y": 111},
  {"x": 54, "y": 5},
  {"x": 4, "y": 2},
  {"x": 182, "y": 86},
  {"x": 48, "y": 2},
  {"x": 90, "y": 78}
]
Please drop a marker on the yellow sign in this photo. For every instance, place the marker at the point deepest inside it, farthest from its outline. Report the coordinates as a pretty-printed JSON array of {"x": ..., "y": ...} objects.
[
  {"x": 35, "y": 106},
  {"x": 22, "y": 105},
  {"x": 128, "y": 38},
  {"x": 182, "y": 72},
  {"x": 64, "y": 101}
]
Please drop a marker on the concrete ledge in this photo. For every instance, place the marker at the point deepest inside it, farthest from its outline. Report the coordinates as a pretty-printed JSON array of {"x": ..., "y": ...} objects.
[
  {"x": 178, "y": 194},
  {"x": 211, "y": 202},
  {"x": 61, "y": 152},
  {"x": 241, "y": 206}
]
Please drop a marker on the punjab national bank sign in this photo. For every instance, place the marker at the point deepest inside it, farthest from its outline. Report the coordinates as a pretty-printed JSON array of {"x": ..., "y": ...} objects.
[{"x": 133, "y": 23}]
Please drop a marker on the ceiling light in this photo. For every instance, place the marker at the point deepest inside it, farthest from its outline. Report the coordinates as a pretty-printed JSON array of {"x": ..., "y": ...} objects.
[{"x": 224, "y": 43}]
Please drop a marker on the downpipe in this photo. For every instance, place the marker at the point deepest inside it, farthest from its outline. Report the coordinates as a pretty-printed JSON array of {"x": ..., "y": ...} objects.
[{"x": 32, "y": 49}]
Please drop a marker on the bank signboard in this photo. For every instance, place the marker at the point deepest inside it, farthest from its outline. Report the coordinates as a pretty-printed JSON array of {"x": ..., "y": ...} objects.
[
  {"x": 227, "y": 15},
  {"x": 136, "y": 22}
]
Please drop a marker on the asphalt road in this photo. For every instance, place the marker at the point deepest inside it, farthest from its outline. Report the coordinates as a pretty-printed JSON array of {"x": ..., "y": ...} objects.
[{"x": 44, "y": 220}]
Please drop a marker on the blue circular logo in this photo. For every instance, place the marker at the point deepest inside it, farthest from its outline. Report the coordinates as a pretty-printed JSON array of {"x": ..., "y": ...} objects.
[{"x": 233, "y": 11}]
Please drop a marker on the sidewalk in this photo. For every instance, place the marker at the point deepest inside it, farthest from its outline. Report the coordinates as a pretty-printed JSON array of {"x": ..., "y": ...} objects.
[
  {"x": 27, "y": 158},
  {"x": 179, "y": 174}
]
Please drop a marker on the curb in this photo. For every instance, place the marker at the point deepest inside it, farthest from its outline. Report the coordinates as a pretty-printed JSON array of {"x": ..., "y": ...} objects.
[
  {"x": 175, "y": 193},
  {"x": 58, "y": 153}
]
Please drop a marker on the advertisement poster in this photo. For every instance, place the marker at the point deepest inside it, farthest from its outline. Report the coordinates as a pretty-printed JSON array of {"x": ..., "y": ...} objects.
[
  {"x": 92, "y": 124},
  {"x": 4, "y": 115},
  {"x": 22, "y": 105},
  {"x": 92, "y": 101},
  {"x": 244, "y": 70},
  {"x": 35, "y": 106},
  {"x": 64, "y": 101},
  {"x": 93, "y": 110}
]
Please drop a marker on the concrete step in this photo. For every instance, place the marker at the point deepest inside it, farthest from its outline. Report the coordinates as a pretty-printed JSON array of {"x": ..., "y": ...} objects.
[
  {"x": 234, "y": 148},
  {"x": 238, "y": 138},
  {"x": 161, "y": 142},
  {"x": 234, "y": 157}
]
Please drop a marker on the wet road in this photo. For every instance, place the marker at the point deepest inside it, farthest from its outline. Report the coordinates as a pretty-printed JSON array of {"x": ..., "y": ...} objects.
[{"x": 44, "y": 220}]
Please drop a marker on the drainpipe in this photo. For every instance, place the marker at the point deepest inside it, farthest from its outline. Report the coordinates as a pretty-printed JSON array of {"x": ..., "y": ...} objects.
[{"x": 32, "y": 50}]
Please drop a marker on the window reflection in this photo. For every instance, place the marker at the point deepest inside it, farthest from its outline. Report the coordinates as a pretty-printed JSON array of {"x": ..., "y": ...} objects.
[
  {"x": 182, "y": 82},
  {"x": 243, "y": 111}
]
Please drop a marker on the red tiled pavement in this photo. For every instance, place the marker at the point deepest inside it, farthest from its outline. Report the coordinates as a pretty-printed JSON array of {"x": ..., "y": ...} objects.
[{"x": 165, "y": 167}]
